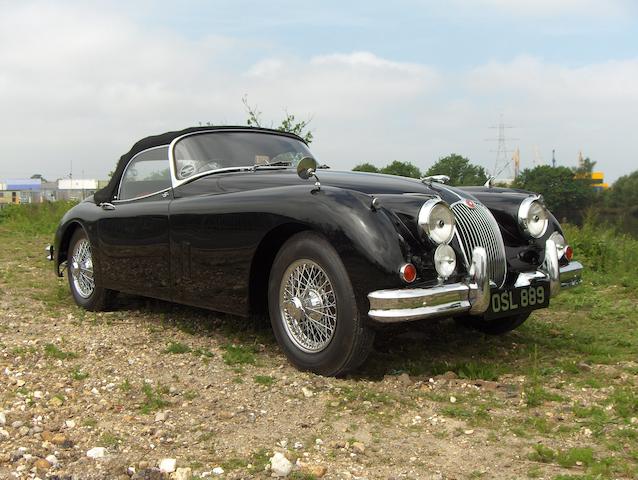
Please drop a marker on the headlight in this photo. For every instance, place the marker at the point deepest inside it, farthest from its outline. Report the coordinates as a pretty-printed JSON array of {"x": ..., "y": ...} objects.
[
  {"x": 444, "y": 261},
  {"x": 437, "y": 221},
  {"x": 533, "y": 217}
]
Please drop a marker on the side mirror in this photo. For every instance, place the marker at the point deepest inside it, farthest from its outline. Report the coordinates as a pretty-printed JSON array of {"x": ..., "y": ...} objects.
[{"x": 306, "y": 168}]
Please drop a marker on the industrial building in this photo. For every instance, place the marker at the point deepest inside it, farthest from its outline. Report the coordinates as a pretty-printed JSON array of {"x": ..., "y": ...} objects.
[{"x": 36, "y": 190}]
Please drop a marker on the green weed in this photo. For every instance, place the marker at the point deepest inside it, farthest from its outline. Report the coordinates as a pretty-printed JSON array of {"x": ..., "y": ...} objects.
[
  {"x": 50, "y": 350},
  {"x": 177, "y": 348},
  {"x": 239, "y": 355}
]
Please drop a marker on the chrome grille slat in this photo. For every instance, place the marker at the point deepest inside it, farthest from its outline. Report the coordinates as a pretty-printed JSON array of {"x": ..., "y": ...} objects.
[{"x": 477, "y": 227}]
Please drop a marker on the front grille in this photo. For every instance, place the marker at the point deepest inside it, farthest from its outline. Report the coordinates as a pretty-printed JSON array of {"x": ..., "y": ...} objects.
[{"x": 477, "y": 227}]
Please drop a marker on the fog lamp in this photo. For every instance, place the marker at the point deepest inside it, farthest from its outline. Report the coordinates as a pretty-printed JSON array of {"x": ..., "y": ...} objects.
[{"x": 444, "y": 261}]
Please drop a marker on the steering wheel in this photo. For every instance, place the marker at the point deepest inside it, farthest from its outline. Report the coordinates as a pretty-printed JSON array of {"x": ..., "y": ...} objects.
[{"x": 212, "y": 164}]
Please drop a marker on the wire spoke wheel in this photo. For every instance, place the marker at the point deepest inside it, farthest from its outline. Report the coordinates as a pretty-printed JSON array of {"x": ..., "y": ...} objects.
[
  {"x": 308, "y": 306},
  {"x": 81, "y": 269}
]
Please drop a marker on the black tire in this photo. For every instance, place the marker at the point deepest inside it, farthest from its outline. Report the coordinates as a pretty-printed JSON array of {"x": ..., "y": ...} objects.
[
  {"x": 351, "y": 339},
  {"x": 497, "y": 326},
  {"x": 99, "y": 298}
]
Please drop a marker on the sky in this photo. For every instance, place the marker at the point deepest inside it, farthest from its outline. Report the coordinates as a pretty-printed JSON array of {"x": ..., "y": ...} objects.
[{"x": 409, "y": 80}]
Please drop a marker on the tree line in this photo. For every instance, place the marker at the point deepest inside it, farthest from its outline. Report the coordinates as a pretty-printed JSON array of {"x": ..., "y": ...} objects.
[{"x": 568, "y": 192}]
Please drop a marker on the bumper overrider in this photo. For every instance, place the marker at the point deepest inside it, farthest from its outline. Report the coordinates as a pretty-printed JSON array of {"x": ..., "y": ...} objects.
[{"x": 470, "y": 297}]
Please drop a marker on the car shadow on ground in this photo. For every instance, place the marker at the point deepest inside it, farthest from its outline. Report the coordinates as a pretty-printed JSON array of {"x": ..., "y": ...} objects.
[{"x": 421, "y": 349}]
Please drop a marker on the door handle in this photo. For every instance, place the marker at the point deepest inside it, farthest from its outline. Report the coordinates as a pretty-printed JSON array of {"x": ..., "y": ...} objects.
[{"x": 107, "y": 206}]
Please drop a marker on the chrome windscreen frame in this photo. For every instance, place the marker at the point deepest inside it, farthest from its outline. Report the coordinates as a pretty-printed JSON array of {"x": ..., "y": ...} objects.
[{"x": 176, "y": 182}]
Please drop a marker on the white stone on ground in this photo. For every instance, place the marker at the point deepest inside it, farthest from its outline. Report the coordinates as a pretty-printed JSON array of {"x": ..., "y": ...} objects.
[
  {"x": 280, "y": 466},
  {"x": 96, "y": 452},
  {"x": 167, "y": 465}
]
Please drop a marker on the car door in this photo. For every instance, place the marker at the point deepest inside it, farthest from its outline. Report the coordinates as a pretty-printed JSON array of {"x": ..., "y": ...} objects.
[{"x": 134, "y": 231}]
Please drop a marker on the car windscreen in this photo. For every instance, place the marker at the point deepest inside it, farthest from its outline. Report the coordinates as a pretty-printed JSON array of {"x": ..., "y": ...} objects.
[{"x": 216, "y": 150}]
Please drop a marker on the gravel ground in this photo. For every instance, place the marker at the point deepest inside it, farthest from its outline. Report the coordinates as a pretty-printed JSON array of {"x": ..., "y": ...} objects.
[{"x": 117, "y": 394}]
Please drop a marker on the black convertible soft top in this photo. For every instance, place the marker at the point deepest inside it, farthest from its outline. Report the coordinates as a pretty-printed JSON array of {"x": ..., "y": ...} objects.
[{"x": 107, "y": 193}]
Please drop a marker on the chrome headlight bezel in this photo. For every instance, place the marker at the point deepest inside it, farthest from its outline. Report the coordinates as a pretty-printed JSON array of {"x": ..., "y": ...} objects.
[
  {"x": 528, "y": 212},
  {"x": 437, "y": 221}
]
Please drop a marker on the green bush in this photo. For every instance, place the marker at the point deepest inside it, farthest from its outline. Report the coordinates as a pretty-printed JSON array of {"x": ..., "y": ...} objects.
[
  {"x": 608, "y": 255},
  {"x": 34, "y": 218}
]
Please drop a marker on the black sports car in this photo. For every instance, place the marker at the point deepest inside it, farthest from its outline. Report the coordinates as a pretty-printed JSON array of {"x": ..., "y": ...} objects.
[{"x": 244, "y": 221}]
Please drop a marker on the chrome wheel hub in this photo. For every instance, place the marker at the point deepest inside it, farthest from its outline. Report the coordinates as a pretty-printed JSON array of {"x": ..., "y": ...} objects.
[
  {"x": 308, "y": 306},
  {"x": 81, "y": 269}
]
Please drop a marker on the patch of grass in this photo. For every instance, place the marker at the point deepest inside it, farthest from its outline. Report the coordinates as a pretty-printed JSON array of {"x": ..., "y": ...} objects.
[
  {"x": 535, "y": 395},
  {"x": 239, "y": 355},
  {"x": 625, "y": 402},
  {"x": 298, "y": 475},
  {"x": 77, "y": 374},
  {"x": 231, "y": 464},
  {"x": 573, "y": 456},
  {"x": 51, "y": 351},
  {"x": 206, "y": 437},
  {"x": 21, "y": 351},
  {"x": 154, "y": 398},
  {"x": 126, "y": 386},
  {"x": 89, "y": 422},
  {"x": 108, "y": 440},
  {"x": 266, "y": 380},
  {"x": 540, "y": 424},
  {"x": 190, "y": 395},
  {"x": 594, "y": 417},
  {"x": 534, "y": 472},
  {"x": 542, "y": 454},
  {"x": 34, "y": 218},
  {"x": 177, "y": 348},
  {"x": 474, "y": 416},
  {"x": 259, "y": 460},
  {"x": 201, "y": 352}
]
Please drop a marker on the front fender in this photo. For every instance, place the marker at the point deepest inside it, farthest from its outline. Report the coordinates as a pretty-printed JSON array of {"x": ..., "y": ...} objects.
[{"x": 367, "y": 239}]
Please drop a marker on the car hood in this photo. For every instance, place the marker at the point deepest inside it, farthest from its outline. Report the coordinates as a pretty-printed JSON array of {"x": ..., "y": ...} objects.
[{"x": 368, "y": 183}]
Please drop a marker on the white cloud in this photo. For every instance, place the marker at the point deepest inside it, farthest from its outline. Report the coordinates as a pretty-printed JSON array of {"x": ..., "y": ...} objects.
[{"x": 75, "y": 85}]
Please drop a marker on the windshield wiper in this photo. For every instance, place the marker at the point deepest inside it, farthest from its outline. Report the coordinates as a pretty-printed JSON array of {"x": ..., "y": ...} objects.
[{"x": 273, "y": 164}]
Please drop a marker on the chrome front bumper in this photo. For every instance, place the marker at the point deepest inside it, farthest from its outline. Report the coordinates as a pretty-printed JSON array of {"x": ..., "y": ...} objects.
[{"x": 470, "y": 297}]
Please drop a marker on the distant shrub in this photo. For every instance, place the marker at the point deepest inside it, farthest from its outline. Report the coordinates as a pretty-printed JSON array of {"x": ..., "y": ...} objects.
[{"x": 608, "y": 255}]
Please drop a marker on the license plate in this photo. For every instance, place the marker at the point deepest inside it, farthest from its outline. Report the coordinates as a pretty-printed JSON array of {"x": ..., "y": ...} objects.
[{"x": 517, "y": 300}]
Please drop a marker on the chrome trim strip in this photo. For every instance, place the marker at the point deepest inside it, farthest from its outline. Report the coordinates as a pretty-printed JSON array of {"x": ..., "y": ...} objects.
[
  {"x": 143, "y": 196},
  {"x": 119, "y": 186}
]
